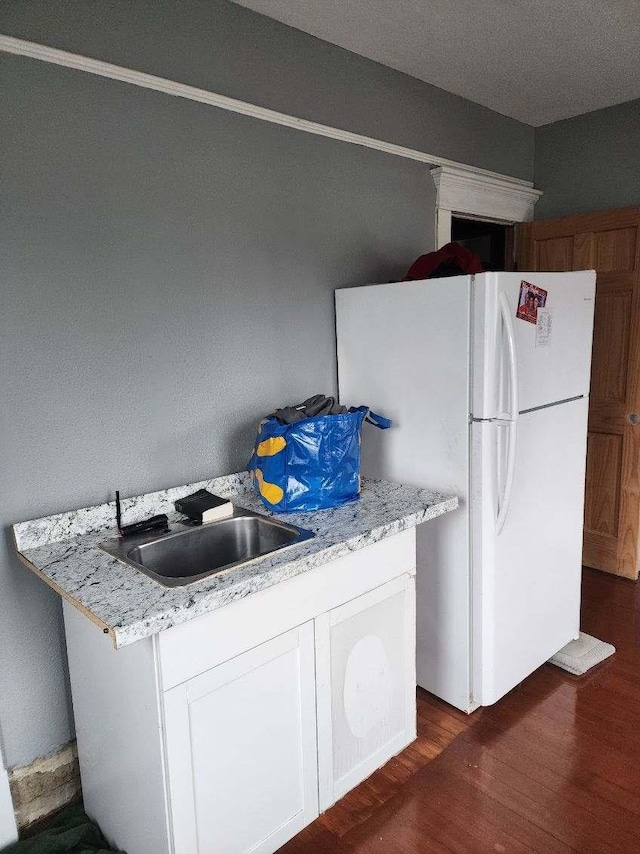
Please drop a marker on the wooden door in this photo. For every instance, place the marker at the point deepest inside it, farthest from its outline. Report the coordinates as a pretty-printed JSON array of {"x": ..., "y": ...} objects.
[
  {"x": 366, "y": 674},
  {"x": 242, "y": 750},
  {"x": 609, "y": 243}
]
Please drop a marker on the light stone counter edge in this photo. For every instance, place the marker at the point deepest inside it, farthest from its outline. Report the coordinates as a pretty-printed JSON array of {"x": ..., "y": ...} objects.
[{"x": 62, "y": 551}]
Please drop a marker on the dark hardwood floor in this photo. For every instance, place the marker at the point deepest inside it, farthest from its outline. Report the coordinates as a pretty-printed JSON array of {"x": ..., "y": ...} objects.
[{"x": 553, "y": 767}]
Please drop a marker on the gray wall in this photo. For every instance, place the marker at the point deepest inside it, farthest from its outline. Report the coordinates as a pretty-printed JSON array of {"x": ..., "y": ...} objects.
[
  {"x": 168, "y": 268},
  {"x": 589, "y": 163},
  {"x": 218, "y": 45}
]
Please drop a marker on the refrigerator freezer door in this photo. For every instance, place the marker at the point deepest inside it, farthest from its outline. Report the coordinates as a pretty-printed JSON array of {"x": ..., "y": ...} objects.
[
  {"x": 551, "y": 367},
  {"x": 526, "y": 579},
  {"x": 403, "y": 349}
]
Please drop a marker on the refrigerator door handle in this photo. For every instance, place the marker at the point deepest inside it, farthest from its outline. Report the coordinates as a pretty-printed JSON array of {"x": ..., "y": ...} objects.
[
  {"x": 511, "y": 418},
  {"x": 505, "y": 312},
  {"x": 505, "y": 500}
]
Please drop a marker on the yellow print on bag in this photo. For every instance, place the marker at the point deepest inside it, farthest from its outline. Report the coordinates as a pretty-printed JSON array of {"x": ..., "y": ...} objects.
[
  {"x": 270, "y": 447},
  {"x": 271, "y": 491}
]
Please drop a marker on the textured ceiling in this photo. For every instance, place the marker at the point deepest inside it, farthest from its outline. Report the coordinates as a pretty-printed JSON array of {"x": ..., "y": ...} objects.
[{"x": 534, "y": 60}]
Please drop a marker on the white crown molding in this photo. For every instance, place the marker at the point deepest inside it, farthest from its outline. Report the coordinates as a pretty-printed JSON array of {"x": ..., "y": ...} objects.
[
  {"x": 494, "y": 197},
  {"x": 489, "y": 197},
  {"x": 20, "y": 47}
]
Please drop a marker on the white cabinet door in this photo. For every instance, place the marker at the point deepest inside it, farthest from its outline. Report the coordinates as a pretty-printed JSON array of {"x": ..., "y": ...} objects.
[
  {"x": 242, "y": 751},
  {"x": 365, "y": 670}
]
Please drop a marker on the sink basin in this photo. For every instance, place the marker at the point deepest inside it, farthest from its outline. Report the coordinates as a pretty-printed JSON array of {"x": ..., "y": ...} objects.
[{"x": 188, "y": 554}]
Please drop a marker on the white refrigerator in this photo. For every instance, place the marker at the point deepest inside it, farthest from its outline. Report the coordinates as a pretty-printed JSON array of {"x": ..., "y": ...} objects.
[{"x": 486, "y": 378}]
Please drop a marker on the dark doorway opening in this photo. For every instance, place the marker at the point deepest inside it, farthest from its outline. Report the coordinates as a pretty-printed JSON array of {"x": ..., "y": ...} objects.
[{"x": 491, "y": 241}]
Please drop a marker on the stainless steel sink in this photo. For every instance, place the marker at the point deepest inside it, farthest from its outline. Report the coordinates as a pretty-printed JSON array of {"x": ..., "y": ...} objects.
[{"x": 189, "y": 553}]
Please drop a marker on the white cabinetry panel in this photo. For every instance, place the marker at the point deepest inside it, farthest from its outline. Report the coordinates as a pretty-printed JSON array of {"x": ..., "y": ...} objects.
[
  {"x": 242, "y": 751},
  {"x": 365, "y": 661},
  {"x": 118, "y": 725},
  {"x": 8, "y": 830}
]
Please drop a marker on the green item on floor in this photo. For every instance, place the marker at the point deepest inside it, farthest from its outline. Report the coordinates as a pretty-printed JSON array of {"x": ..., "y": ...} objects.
[{"x": 69, "y": 832}]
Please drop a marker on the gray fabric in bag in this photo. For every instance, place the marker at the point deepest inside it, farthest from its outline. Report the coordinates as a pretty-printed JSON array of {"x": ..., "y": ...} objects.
[{"x": 319, "y": 404}]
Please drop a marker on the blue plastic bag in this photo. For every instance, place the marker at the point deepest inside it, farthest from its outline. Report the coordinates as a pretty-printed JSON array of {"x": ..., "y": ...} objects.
[{"x": 312, "y": 464}]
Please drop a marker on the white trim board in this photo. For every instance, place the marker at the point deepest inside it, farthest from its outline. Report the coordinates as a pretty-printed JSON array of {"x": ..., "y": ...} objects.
[
  {"x": 20, "y": 47},
  {"x": 8, "y": 829},
  {"x": 475, "y": 196}
]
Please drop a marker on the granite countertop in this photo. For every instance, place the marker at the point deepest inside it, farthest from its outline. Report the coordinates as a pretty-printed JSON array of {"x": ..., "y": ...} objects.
[{"x": 62, "y": 550}]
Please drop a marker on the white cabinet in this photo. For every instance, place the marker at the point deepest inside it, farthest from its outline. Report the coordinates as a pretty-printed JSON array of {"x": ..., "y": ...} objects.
[
  {"x": 226, "y": 734},
  {"x": 365, "y": 666},
  {"x": 241, "y": 750}
]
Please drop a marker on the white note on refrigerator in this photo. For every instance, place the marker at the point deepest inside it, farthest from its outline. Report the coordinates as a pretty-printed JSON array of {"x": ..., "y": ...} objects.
[{"x": 544, "y": 327}]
